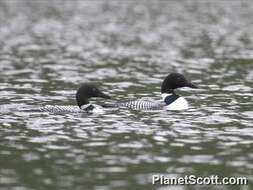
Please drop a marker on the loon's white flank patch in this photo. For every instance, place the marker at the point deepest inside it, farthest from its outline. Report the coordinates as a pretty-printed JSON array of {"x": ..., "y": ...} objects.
[{"x": 178, "y": 104}]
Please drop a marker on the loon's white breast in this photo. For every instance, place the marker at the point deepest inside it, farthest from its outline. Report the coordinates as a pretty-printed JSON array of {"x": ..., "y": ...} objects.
[
  {"x": 95, "y": 108},
  {"x": 176, "y": 102}
]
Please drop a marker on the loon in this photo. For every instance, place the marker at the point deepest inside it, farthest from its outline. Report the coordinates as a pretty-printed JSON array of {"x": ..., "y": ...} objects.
[
  {"x": 83, "y": 94},
  {"x": 169, "y": 97}
]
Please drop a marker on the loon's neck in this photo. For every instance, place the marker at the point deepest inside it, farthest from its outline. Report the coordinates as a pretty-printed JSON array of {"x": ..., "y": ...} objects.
[
  {"x": 87, "y": 107},
  {"x": 164, "y": 95},
  {"x": 168, "y": 98},
  {"x": 82, "y": 101}
]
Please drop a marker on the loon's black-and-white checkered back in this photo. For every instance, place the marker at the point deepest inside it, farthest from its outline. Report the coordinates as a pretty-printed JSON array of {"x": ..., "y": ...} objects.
[
  {"x": 61, "y": 109},
  {"x": 142, "y": 105}
]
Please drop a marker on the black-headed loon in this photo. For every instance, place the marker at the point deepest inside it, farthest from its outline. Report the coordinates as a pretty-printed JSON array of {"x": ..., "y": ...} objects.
[
  {"x": 172, "y": 101},
  {"x": 170, "y": 98},
  {"x": 83, "y": 94}
]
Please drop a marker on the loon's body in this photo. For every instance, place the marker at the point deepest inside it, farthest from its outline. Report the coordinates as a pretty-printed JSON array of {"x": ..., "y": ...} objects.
[
  {"x": 176, "y": 103},
  {"x": 83, "y": 94},
  {"x": 171, "y": 101}
]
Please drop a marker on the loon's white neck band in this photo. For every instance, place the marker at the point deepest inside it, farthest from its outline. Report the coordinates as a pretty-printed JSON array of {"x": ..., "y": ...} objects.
[
  {"x": 83, "y": 107},
  {"x": 164, "y": 95}
]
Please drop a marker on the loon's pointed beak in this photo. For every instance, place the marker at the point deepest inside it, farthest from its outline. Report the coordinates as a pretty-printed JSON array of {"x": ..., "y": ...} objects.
[
  {"x": 102, "y": 95},
  {"x": 190, "y": 85}
]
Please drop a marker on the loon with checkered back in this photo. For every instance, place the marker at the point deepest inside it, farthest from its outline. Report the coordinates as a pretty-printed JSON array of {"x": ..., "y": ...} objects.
[
  {"x": 170, "y": 98},
  {"x": 83, "y": 94}
]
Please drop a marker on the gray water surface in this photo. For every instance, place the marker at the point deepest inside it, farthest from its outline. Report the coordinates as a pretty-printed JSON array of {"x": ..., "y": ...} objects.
[{"x": 48, "y": 48}]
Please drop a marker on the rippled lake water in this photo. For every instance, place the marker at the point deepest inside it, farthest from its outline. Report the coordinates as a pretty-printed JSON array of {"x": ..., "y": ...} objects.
[{"x": 48, "y": 48}]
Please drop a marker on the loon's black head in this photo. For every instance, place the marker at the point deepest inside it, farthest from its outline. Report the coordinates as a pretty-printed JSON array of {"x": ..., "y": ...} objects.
[
  {"x": 87, "y": 91},
  {"x": 173, "y": 81}
]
